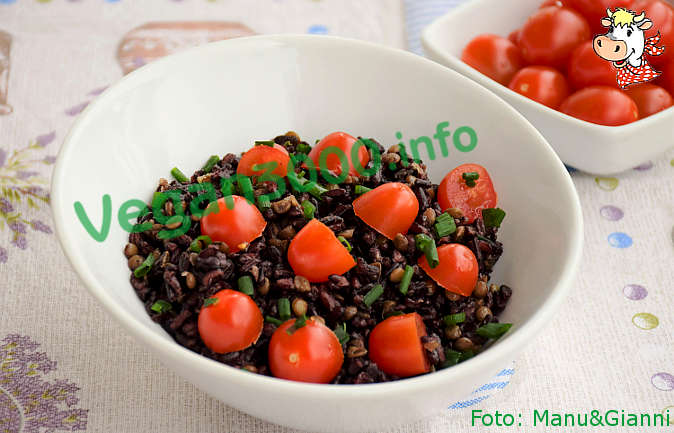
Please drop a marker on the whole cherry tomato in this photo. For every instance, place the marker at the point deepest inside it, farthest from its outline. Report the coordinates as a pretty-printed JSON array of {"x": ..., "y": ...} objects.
[
  {"x": 586, "y": 68},
  {"x": 595, "y": 10},
  {"x": 662, "y": 15},
  {"x": 335, "y": 143},
  {"x": 454, "y": 191},
  {"x": 558, "y": 3},
  {"x": 650, "y": 98},
  {"x": 601, "y": 105},
  {"x": 237, "y": 226},
  {"x": 389, "y": 209},
  {"x": 315, "y": 253},
  {"x": 550, "y": 35},
  {"x": 457, "y": 271},
  {"x": 251, "y": 161},
  {"x": 311, "y": 353},
  {"x": 494, "y": 56},
  {"x": 229, "y": 321},
  {"x": 395, "y": 346},
  {"x": 542, "y": 84},
  {"x": 514, "y": 36},
  {"x": 666, "y": 80}
]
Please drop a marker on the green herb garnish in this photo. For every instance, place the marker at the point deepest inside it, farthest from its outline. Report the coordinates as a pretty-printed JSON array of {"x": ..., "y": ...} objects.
[
  {"x": 245, "y": 284},
  {"x": 444, "y": 225},
  {"x": 245, "y": 186},
  {"x": 308, "y": 208},
  {"x": 466, "y": 355},
  {"x": 300, "y": 322},
  {"x": 263, "y": 202},
  {"x": 145, "y": 267},
  {"x": 342, "y": 335},
  {"x": 284, "y": 309},
  {"x": 200, "y": 243},
  {"x": 161, "y": 306},
  {"x": 344, "y": 242},
  {"x": 373, "y": 295},
  {"x": 493, "y": 217},
  {"x": 211, "y": 301},
  {"x": 273, "y": 320},
  {"x": 269, "y": 143},
  {"x": 360, "y": 189},
  {"x": 426, "y": 244},
  {"x": 393, "y": 313},
  {"x": 407, "y": 278},
  {"x": 470, "y": 177},
  {"x": 214, "y": 159},
  {"x": 303, "y": 147},
  {"x": 179, "y": 175},
  {"x": 452, "y": 357},
  {"x": 493, "y": 330},
  {"x": 453, "y": 319}
]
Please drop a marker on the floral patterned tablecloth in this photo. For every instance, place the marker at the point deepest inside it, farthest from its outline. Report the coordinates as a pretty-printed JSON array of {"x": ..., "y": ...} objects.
[{"x": 65, "y": 366}]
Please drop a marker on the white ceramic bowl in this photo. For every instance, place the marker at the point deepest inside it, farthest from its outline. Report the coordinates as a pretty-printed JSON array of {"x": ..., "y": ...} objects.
[
  {"x": 589, "y": 147},
  {"x": 218, "y": 98}
]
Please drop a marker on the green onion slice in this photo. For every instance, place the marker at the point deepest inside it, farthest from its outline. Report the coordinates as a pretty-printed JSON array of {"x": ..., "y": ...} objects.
[
  {"x": 309, "y": 209},
  {"x": 493, "y": 217},
  {"x": 303, "y": 147},
  {"x": 360, "y": 189},
  {"x": 145, "y": 267},
  {"x": 444, "y": 225},
  {"x": 211, "y": 301},
  {"x": 373, "y": 295},
  {"x": 300, "y": 322},
  {"x": 273, "y": 320},
  {"x": 342, "y": 335},
  {"x": 493, "y": 330},
  {"x": 284, "y": 309},
  {"x": 263, "y": 202},
  {"x": 161, "y": 306},
  {"x": 214, "y": 159},
  {"x": 200, "y": 243},
  {"x": 245, "y": 284},
  {"x": 407, "y": 278},
  {"x": 453, "y": 319},
  {"x": 452, "y": 357},
  {"x": 344, "y": 242},
  {"x": 426, "y": 244},
  {"x": 470, "y": 177},
  {"x": 179, "y": 175},
  {"x": 264, "y": 143}
]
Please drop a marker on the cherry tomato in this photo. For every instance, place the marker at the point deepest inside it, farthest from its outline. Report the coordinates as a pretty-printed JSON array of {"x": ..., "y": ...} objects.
[
  {"x": 311, "y": 353},
  {"x": 250, "y": 162},
  {"x": 344, "y": 142},
  {"x": 395, "y": 346},
  {"x": 595, "y": 10},
  {"x": 542, "y": 84},
  {"x": 586, "y": 68},
  {"x": 649, "y": 98},
  {"x": 453, "y": 192},
  {"x": 601, "y": 105},
  {"x": 514, "y": 36},
  {"x": 231, "y": 323},
  {"x": 662, "y": 15},
  {"x": 457, "y": 271},
  {"x": 315, "y": 253},
  {"x": 389, "y": 209},
  {"x": 240, "y": 225},
  {"x": 494, "y": 56},
  {"x": 558, "y": 3},
  {"x": 666, "y": 80},
  {"x": 550, "y": 35}
]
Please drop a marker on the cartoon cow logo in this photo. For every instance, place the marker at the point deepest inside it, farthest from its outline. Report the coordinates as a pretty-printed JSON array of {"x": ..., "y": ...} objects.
[{"x": 625, "y": 45}]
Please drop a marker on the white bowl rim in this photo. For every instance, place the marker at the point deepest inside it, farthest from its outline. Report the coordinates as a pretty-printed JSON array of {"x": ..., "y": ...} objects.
[{"x": 505, "y": 347}]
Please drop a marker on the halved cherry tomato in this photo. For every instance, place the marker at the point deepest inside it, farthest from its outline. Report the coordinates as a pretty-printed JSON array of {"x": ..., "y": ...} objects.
[
  {"x": 395, "y": 346},
  {"x": 601, "y": 105},
  {"x": 550, "y": 35},
  {"x": 586, "y": 68},
  {"x": 230, "y": 323},
  {"x": 250, "y": 162},
  {"x": 315, "y": 253},
  {"x": 666, "y": 80},
  {"x": 311, "y": 353},
  {"x": 543, "y": 84},
  {"x": 389, "y": 209},
  {"x": 240, "y": 225},
  {"x": 339, "y": 141},
  {"x": 457, "y": 271},
  {"x": 662, "y": 15},
  {"x": 650, "y": 98},
  {"x": 453, "y": 191},
  {"x": 494, "y": 56},
  {"x": 595, "y": 10}
]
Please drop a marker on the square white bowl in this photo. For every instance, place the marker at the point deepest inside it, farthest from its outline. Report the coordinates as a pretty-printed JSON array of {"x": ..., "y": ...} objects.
[{"x": 586, "y": 146}]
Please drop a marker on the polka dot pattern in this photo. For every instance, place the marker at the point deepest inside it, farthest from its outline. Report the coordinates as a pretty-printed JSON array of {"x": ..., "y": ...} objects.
[
  {"x": 620, "y": 240},
  {"x": 611, "y": 213},
  {"x": 607, "y": 183},
  {"x": 645, "y": 166},
  {"x": 635, "y": 292},
  {"x": 645, "y": 321},
  {"x": 317, "y": 29},
  {"x": 663, "y": 381}
]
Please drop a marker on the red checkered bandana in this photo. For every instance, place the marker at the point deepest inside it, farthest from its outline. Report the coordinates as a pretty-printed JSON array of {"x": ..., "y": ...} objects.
[{"x": 644, "y": 73}]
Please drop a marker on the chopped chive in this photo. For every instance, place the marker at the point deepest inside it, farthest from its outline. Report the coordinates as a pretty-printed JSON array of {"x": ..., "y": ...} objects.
[
  {"x": 453, "y": 319},
  {"x": 373, "y": 295},
  {"x": 265, "y": 143},
  {"x": 482, "y": 238},
  {"x": 245, "y": 284},
  {"x": 211, "y": 301},
  {"x": 284, "y": 309},
  {"x": 317, "y": 191},
  {"x": 161, "y": 306},
  {"x": 342, "y": 335},
  {"x": 200, "y": 243},
  {"x": 263, "y": 202},
  {"x": 393, "y": 313},
  {"x": 308, "y": 209},
  {"x": 466, "y": 355},
  {"x": 426, "y": 244},
  {"x": 452, "y": 357},
  {"x": 245, "y": 186},
  {"x": 273, "y": 320},
  {"x": 444, "y": 225},
  {"x": 303, "y": 147},
  {"x": 178, "y": 175},
  {"x": 493, "y": 330},
  {"x": 344, "y": 242},
  {"x": 145, "y": 267},
  {"x": 360, "y": 189},
  {"x": 214, "y": 159},
  {"x": 407, "y": 278},
  {"x": 493, "y": 217},
  {"x": 300, "y": 322},
  {"x": 470, "y": 177}
]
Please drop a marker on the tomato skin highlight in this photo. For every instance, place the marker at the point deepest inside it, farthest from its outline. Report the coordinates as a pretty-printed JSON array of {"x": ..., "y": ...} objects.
[
  {"x": 343, "y": 142},
  {"x": 458, "y": 269},
  {"x": 586, "y": 68},
  {"x": 662, "y": 15},
  {"x": 550, "y": 35},
  {"x": 315, "y": 253},
  {"x": 595, "y": 10},
  {"x": 650, "y": 99},
  {"x": 395, "y": 346},
  {"x": 557, "y": 3},
  {"x": 494, "y": 56},
  {"x": 311, "y": 354},
  {"x": 261, "y": 154},
  {"x": 242, "y": 224},
  {"x": 542, "y": 84},
  {"x": 454, "y": 193},
  {"x": 390, "y": 208},
  {"x": 601, "y": 105},
  {"x": 231, "y": 324}
]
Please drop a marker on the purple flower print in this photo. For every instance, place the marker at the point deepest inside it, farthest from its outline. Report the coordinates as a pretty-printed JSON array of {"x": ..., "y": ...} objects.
[
  {"x": 6, "y": 206},
  {"x": 49, "y": 159},
  {"x": 20, "y": 242},
  {"x": 39, "y": 226},
  {"x": 18, "y": 227},
  {"x": 3, "y": 255},
  {"x": 23, "y": 175},
  {"x": 45, "y": 139}
]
